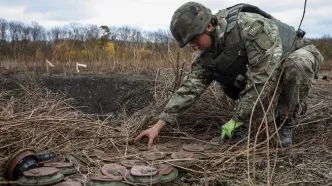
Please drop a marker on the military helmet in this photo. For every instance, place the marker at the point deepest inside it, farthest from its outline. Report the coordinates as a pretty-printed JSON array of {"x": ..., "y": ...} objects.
[{"x": 189, "y": 21}]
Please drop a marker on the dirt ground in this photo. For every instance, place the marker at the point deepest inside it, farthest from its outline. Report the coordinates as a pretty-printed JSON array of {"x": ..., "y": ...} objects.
[
  {"x": 32, "y": 116},
  {"x": 102, "y": 94},
  {"x": 97, "y": 94}
]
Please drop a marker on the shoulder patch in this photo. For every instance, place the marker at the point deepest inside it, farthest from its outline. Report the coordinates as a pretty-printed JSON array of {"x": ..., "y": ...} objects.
[{"x": 255, "y": 28}]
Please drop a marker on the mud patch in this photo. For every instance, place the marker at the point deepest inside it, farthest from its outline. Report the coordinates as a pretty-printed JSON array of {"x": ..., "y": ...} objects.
[{"x": 101, "y": 94}]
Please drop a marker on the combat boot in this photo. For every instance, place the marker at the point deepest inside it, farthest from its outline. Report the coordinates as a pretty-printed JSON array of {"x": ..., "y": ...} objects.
[
  {"x": 286, "y": 135},
  {"x": 286, "y": 131}
]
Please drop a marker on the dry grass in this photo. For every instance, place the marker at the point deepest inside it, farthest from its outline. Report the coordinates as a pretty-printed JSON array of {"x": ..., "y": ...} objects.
[{"x": 33, "y": 117}]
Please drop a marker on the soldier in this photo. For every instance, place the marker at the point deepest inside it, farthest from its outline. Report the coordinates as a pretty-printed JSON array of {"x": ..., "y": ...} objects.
[{"x": 246, "y": 50}]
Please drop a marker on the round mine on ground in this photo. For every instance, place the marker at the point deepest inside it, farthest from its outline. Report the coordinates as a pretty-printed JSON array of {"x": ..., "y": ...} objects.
[
  {"x": 131, "y": 163},
  {"x": 144, "y": 180},
  {"x": 114, "y": 170},
  {"x": 104, "y": 181},
  {"x": 170, "y": 176},
  {"x": 59, "y": 164},
  {"x": 139, "y": 170},
  {"x": 69, "y": 183},
  {"x": 19, "y": 162},
  {"x": 41, "y": 176},
  {"x": 193, "y": 147},
  {"x": 154, "y": 155},
  {"x": 65, "y": 168},
  {"x": 165, "y": 169},
  {"x": 40, "y": 172},
  {"x": 74, "y": 177}
]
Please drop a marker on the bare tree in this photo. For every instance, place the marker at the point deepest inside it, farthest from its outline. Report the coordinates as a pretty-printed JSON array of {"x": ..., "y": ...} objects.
[
  {"x": 26, "y": 33},
  {"x": 15, "y": 31},
  {"x": 124, "y": 33},
  {"x": 37, "y": 32},
  {"x": 136, "y": 43},
  {"x": 3, "y": 29},
  {"x": 75, "y": 31},
  {"x": 92, "y": 32},
  {"x": 56, "y": 34},
  {"x": 113, "y": 33}
]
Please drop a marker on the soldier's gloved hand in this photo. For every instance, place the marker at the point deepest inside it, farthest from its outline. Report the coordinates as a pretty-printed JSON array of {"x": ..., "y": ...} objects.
[{"x": 231, "y": 130}]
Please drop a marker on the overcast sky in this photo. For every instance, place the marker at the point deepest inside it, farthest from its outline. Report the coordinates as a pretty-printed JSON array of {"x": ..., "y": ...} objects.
[{"x": 155, "y": 14}]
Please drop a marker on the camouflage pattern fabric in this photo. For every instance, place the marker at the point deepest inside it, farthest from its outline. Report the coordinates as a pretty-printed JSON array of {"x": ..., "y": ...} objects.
[
  {"x": 300, "y": 68},
  {"x": 191, "y": 88},
  {"x": 264, "y": 50}
]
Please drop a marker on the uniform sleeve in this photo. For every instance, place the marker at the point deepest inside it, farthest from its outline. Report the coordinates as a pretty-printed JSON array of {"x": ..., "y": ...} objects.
[
  {"x": 191, "y": 88},
  {"x": 264, "y": 50}
]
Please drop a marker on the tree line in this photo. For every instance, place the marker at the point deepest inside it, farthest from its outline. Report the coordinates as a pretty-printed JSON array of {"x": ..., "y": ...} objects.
[{"x": 32, "y": 43}]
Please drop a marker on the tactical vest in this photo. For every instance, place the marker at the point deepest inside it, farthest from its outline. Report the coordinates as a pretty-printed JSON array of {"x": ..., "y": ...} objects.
[{"x": 233, "y": 60}]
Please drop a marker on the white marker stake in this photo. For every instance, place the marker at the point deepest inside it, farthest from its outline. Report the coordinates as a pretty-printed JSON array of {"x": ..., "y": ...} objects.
[
  {"x": 80, "y": 65},
  {"x": 49, "y": 63}
]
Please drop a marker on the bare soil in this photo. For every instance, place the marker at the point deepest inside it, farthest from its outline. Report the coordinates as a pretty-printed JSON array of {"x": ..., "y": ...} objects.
[{"x": 104, "y": 94}]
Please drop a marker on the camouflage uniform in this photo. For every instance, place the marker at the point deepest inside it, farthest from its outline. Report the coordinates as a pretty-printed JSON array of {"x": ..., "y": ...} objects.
[{"x": 264, "y": 50}]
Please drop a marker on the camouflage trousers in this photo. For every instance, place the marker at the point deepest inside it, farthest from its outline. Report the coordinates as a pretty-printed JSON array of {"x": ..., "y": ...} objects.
[{"x": 298, "y": 72}]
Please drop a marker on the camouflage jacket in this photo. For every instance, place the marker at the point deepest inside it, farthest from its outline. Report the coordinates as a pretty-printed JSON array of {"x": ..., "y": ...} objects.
[{"x": 263, "y": 60}]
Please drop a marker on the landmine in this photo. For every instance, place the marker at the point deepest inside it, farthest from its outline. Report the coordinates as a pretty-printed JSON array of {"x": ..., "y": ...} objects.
[
  {"x": 69, "y": 183},
  {"x": 113, "y": 175},
  {"x": 40, "y": 176},
  {"x": 131, "y": 163},
  {"x": 105, "y": 156},
  {"x": 182, "y": 154},
  {"x": 105, "y": 181},
  {"x": 46, "y": 157},
  {"x": 168, "y": 172},
  {"x": 18, "y": 163},
  {"x": 193, "y": 147},
  {"x": 65, "y": 168},
  {"x": 74, "y": 178},
  {"x": 115, "y": 171},
  {"x": 198, "y": 149},
  {"x": 146, "y": 175},
  {"x": 78, "y": 162},
  {"x": 143, "y": 175},
  {"x": 183, "y": 158}
]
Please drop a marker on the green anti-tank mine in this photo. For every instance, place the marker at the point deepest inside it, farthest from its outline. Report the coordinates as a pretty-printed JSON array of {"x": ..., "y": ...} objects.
[
  {"x": 69, "y": 183},
  {"x": 168, "y": 172},
  {"x": 40, "y": 176},
  {"x": 114, "y": 171},
  {"x": 143, "y": 175},
  {"x": 105, "y": 181},
  {"x": 65, "y": 168}
]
